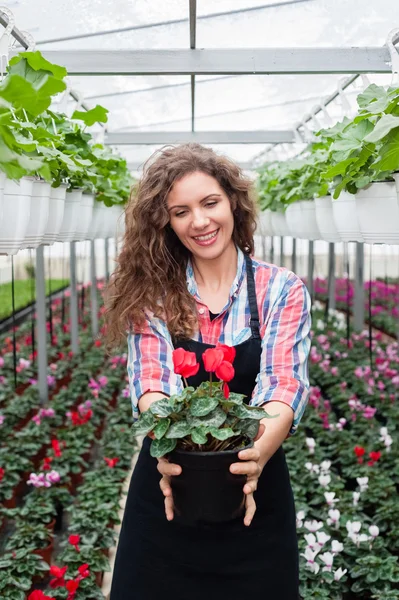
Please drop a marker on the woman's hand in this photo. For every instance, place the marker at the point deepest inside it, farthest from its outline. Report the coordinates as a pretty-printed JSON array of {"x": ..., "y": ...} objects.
[
  {"x": 167, "y": 469},
  {"x": 252, "y": 467}
]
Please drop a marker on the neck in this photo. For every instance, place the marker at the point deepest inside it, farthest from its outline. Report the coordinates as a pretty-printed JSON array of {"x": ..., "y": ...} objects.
[{"x": 216, "y": 273}]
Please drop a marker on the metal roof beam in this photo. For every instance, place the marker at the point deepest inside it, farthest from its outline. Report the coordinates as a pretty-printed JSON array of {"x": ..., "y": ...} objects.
[
  {"x": 230, "y": 61},
  {"x": 138, "y": 166},
  {"x": 193, "y": 34},
  {"x": 201, "y": 137}
]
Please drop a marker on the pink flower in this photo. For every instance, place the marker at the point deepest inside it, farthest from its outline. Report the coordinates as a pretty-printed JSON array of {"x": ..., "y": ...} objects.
[
  {"x": 2, "y": 419},
  {"x": 1, "y": 361},
  {"x": 126, "y": 393},
  {"x": 50, "y": 380},
  {"x": 53, "y": 477}
]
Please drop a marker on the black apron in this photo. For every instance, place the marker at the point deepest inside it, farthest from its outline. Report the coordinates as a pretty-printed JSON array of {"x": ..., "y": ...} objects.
[{"x": 158, "y": 559}]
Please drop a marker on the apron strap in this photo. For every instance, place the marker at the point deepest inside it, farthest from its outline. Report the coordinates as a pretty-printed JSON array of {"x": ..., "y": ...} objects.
[{"x": 254, "y": 322}]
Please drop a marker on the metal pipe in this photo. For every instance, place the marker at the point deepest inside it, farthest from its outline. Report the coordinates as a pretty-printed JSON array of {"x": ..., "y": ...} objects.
[
  {"x": 331, "y": 276},
  {"x": 311, "y": 269},
  {"x": 93, "y": 290},
  {"x": 359, "y": 308},
  {"x": 41, "y": 325},
  {"x": 74, "y": 319}
]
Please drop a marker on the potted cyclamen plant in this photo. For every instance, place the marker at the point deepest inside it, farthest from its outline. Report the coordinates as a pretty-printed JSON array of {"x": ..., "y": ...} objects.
[{"x": 203, "y": 430}]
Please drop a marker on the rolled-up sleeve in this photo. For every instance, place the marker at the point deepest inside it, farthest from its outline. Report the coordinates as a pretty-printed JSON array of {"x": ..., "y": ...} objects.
[
  {"x": 150, "y": 362},
  {"x": 283, "y": 375}
]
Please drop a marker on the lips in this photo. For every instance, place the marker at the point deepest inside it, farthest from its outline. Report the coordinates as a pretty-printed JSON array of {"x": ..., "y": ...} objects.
[{"x": 206, "y": 239}]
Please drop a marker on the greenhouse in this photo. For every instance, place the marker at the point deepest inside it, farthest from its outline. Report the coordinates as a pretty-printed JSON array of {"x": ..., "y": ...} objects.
[{"x": 297, "y": 100}]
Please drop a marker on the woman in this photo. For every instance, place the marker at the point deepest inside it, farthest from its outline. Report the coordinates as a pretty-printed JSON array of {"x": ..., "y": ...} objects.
[{"x": 185, "y": 279}]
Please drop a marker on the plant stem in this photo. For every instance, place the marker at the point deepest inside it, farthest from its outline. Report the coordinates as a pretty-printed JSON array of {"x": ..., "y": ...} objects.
[{"x": 210, "y": 383}]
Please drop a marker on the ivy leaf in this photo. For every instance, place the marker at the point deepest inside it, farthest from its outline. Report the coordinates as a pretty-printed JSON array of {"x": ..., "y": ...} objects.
[
  {"x": 162, "y": 408},
  {"x": 161, "y": 447},
  {"x": 161, "y": 428},
  {"x": 178, "y": 430},
  {"x": 214, "y": 419},
  {"x": 222, "y": 434},
  {"x": 200, "y": 407},
  {"x": 199, "y": 435},
  {"x": 144, "y": 424},
  {"x": 98, "y": 114}
]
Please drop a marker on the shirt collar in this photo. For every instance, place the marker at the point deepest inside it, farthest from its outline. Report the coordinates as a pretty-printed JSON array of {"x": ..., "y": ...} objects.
[{"x": 235, "y": 286}]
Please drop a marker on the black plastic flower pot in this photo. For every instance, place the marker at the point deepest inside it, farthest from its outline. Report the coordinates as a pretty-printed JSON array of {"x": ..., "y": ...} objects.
[{"x": 206, "y": 491}]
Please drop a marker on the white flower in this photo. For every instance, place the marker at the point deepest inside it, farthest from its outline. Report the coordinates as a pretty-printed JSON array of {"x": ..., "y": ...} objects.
[
  {"x": 356, "y": 496},
  {"x": 310, "y": 562},
  {"x": 363, "y": 483},
  {"x": 374, "y": 531},
  {"x": 313, "y": 525},
  {"x": 328, "y": 560},
  {"x": 383, "y": 432},
  {"x": 309, "y": 466},
  {"x": 325, "y": 465},
  {"x": 322, "y": 538},
  {"x": 300, "y": 515},
  {"x": 353, "y": 526},
  {"x": 336, "y": 546},
  {"x": 320, "y": 324},
  {"x": 363, "y": 537},
  {"x": 311, "y": 541},
  {"x": 388, "y": 441},
  {"x": 325, "y": 480},
  {"x": 330, "y": 498},
  {"x": 311, "y": 443},
  {"x": 339, "y": 573}
]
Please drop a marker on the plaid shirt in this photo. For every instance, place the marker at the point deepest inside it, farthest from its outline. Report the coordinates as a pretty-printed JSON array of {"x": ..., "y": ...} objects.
[{"x": 284, "y": 313}]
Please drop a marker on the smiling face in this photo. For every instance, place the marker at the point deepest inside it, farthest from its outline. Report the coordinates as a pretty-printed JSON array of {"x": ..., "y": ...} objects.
[{"x": 200, "y": 215}]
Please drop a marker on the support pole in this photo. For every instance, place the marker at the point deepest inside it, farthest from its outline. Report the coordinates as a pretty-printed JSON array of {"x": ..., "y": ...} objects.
[
  {"x": 263, "y": 238},
  {"x": 272, "y": 249},
  {"x": 293, "y": 267},
  {"x": 311, "y": 269},
  {"x": 93, "y": 291},
  {"x": 73, "y": 300},
  {"x": 281, "y": 251},
  {"x": 41, "y": 325},
  {"x": 359, "y": 311},
  {"x": 331, "y": 275},
  {"x": 106, "y": 255}
]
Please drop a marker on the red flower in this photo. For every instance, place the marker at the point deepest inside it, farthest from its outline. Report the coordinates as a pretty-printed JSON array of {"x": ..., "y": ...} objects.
[
  {"x": 84, "y": 570},
  {"x": 185, "y": 363},
  {"x": 39, "y": 595},
  {"x": 58, "y": 571},
  {"x": 225, "y": 371},
  {"x": 72, "y": 585},
  {"x": 359, "y": 451},
  {"x": 111, "y": 462},
  {"x": 46, "y": 463},
  {"x": 74, "y": 541},
  {"x": 56, "y": 448},
  {"x": 2, "y": 473},
  {"x": 226, "y": 391},
  {"x": 228, "y": 351},
  {"x": 375, "y": 456},
  {"x": 97, "y": 343},
  {"x": 212, "y": 358}
]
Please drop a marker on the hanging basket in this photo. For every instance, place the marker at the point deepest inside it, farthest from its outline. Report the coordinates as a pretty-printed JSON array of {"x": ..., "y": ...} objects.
[
  {"x": 104, "y": 225},
  {"x": 39, "y": 213},
  {"x": 115, "y": 221},
  {"x": 378, "y": 213},
  {"x": 310, "y": 230},
  {"x": 16, "y": 203},
  {"x": 98, "y": 220},
  {"x": 265, "y": 222},
  {"x": 293, "y": 217},
  {"x": 71, "y": 216},
  {"x": 345, "y": 218},
  {"x": 85, "y": 216},
  {"x": 56, "y": 214},
  {"x": 325, "y": 219},
  {"x": 279, "y": 224}
]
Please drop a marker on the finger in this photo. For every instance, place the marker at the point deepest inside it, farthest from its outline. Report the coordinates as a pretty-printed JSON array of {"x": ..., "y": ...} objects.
[
  {"x": 166, "y": 468},
  {"x": 251, "y": 485},
  {"x": 250, "y": 454},
  {"x": 261, "y": 431},
  {"x": 169, "y": 508},
  {"x": 164, "y": 484},
  {"x": 250, "y": 510},
  {"x": 249, "y": 467}
]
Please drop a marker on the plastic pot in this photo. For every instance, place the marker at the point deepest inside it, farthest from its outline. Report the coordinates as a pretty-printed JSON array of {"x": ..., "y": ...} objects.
[
  {"x": 325, "y": 219},
  {"x": 279, "y": 224},
  {"x": 345, "y": 218},
  {"x": 378, "y": 213},
  {"x": 265, "y": 222},
  {"x": 56, "y": 214},
  {"x": 71, "y": 216},
  {"x": 15, "y": 213},
  {"x": 39, "y": 214},
  {"x": 206, "y": 491},
  {"x": 85, "y": 216}
]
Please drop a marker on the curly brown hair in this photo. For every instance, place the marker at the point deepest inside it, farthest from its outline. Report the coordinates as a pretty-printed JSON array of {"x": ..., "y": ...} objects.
[{"x": 151, "y": 268}]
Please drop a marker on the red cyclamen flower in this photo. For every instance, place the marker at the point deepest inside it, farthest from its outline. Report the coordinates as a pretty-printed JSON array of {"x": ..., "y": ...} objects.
[
  {"x": 39, "y": 595},
  {"x": 212, "y": 358},
  {"x": 74, "y": 541},
  {"x": 111, "y": 462},
  {"x": 2, "y": 473},
  {"x": 84, "y": 571},
  {"x": 185, "y": 363},
  {"x": 225, "y": 371},
  {"x": 229, "y": 352}
]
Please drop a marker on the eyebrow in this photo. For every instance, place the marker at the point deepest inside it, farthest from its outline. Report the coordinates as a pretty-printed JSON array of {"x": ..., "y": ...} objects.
[{"x": 185, "y": 205}]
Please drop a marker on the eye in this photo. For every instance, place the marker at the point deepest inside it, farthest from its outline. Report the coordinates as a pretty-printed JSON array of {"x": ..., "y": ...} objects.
[
  {"x": 213, "y": 203},
  {"x": 180, "y": 213}
]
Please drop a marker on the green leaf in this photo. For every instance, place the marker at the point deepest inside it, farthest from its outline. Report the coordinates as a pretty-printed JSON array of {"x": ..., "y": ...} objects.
[
  {"x": 36, "y": 62},
  {"x": 161, "y": 447},
  {"x": 161, "y": 428},
  {"x": 162, "y": 408},
  {"x": 248, "y": 427},
  {"x": 250, "y": 412},
  {"x": 199, "y": 435},
  {"x": 178, "y": 430},
  {"x": 144, "y": 424},
  {"x": 98, "y": 114},
  {"x": 222, "y": 434},
  {"x": 214, "y": 419},
  {"x": 200, "y": 407},
  {"x": 383, "y": 127},
  {"x": 389, "y": 153}
]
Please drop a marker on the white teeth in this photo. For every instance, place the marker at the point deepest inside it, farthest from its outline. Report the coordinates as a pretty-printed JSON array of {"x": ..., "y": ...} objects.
[{"x": 204, "y": 238}]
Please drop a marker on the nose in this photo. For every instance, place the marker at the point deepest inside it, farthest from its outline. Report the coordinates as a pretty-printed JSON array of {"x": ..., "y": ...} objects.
[{"x": 200, "y": 220}]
